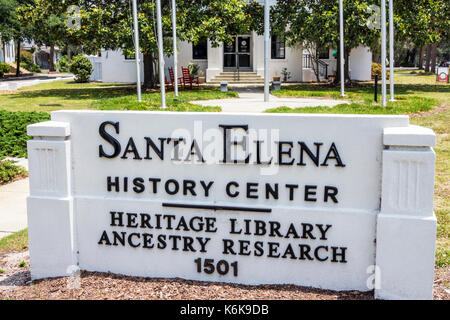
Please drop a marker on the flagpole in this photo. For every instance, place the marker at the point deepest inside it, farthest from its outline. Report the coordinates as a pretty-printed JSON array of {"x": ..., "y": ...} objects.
[
  {"x": 266, "y": 49},
  {"x": 341, "y": 40},
  {"x": 391, "y": 48},
  {"x": 175, "y": 55},
  {"x": 162, "y": 82},
  {"x": 136, "y": 51},
  {"x": 383, "y": 49}
]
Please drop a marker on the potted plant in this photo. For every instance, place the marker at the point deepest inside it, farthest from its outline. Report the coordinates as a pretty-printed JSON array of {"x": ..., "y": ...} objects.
[
  {"x": 276, "y": 77},
  {"x": 201, "y": 77},
  {"x": 286, "y": 75}
]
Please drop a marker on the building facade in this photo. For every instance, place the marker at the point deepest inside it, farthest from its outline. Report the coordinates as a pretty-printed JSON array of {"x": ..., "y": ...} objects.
[
  {"x": 244, "y": 56},
  {"x": 7, "y": 52}
]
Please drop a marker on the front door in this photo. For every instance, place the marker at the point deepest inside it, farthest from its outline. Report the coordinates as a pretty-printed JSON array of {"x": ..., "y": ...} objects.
[{"x": 237, "y": 55}]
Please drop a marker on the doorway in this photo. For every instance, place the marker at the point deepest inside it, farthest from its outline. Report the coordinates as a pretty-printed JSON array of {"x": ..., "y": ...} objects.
[{"x": 237, "y": 55}]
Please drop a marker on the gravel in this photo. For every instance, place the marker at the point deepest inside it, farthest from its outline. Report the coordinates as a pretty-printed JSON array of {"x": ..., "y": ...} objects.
[{"x": 15, "y": 283}]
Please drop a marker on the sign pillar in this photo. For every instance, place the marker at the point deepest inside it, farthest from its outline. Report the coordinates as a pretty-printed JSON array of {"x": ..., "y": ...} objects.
[
  {"x": 50, "y": 204},
  {"x": 406, "y": 225}
]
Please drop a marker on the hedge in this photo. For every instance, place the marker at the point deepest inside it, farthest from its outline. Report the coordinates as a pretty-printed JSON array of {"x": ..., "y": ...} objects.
[
  {"x": 13, "y": 131},
  {"x": 9, "y": 171}
]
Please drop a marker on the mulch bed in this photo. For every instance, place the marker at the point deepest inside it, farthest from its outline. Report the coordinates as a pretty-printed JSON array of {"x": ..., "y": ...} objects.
[{"x": 15, "y": 283}]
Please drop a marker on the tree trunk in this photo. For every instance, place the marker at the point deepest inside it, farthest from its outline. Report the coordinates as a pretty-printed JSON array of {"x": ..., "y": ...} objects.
[
  {"x": 337, "y": 77},
  {"x": 428, "y": 61},
  {"x": 52, "y": 59},
  {"x": 18, "y": 59},
  {"x": 69, "y": 53},
  {"x": 347, "y": 65},
  {"x": 4, "y": 52},
  {"x": 421, "y": 53},
  {"x": 149, "y": 74},
  {"x": 433, "y": 57}
]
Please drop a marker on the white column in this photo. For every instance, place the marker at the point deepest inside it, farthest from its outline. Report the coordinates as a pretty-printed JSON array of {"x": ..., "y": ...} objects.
[
  {"x": 162, "y": 81},
  {"x": 51, "y": 226},
  {"x": 406, "y": 224},
  {"x": 266, "y": 49},
  {"x": 391, "y": 48},
  {"x": 383, "y": 51},
  {"x": 175, "y": 51},
  {"x": 136, "y": 51},
  {"x": 341, "y": 40}
]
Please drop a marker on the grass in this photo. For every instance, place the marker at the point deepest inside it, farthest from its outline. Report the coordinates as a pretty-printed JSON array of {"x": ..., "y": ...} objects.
[
  {"x": 69, "y": 95},
  {"x": 16, "y": 242},
  {"x": 413, "y": 94},
  {"x": 440, "y": 123}
]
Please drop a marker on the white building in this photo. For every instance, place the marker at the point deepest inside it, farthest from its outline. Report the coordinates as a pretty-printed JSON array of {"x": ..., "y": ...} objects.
[
  {"x": 244, "y": 57},
  {"x": 7, "y": 52}
]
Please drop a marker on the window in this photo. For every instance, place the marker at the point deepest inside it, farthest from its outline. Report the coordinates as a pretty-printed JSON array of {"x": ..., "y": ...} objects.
[
  {"x": 129, "y": 56},
  {"x": 278, "y": 47},
  {"x": 324, "y": 53},
  {"x": 200, "y": 50}
]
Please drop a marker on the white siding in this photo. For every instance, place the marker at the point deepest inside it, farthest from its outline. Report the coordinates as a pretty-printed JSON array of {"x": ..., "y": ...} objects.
[
  {"x": 361, "y": 64},
  {"x": 116, "y": 69}
]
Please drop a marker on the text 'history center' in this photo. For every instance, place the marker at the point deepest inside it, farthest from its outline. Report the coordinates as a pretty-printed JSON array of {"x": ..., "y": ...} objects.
[{"x": 191, "y": 195}]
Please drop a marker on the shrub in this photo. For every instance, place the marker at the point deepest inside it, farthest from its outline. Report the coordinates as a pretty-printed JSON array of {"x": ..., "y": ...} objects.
[
  {"x": 26, "y": 62},
  {"x": 9, "y": 171},
  {"x": 81, "y": 67},
  {"x": 193, "y": 69},
  {"x": 13, "y": 131},
  {"x": 4, "y": 68},
  {"x": 63, "y": 64},
  {"x": 376, "y": 71}
]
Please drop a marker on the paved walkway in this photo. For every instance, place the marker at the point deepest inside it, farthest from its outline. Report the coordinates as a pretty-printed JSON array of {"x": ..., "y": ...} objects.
[
  {"x": 251, "y": 100},
  {"x": 13, "y": 205},
  {"x": 13, "y": 84}
]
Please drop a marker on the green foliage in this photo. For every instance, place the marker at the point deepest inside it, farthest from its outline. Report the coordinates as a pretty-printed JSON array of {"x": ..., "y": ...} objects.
[
  {"x": 27, "y": 63},
  {"x": 285, "y": 74},
  {"x": 4, "y": 68},
  {"x": 13, "y": 137},
  {"x": 9, "y": 171},
  {"x": 442, "y": 257},
  {"x": 193, "y": 69},
  {"x": 22, "y": 264},
  {"x": 377, "y": 70},
  {"x": 81, "y": 67},
  {"x": 63, "y": 64},
  {"x": 16, "y": 242}
]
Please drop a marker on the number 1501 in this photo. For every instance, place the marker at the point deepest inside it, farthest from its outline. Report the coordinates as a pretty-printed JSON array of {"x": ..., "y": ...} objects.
[{"x": 222, "y": 267}]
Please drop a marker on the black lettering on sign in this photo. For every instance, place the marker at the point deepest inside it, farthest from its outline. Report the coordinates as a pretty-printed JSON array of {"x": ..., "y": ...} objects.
[{"x": 109, "y": 138}]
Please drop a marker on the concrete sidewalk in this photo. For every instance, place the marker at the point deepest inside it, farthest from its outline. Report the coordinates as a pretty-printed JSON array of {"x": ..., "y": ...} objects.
[
  {"x": 15, "y": 84},
  {"x": 13, "y": 205},
  {"x": 251, "y": 100}
]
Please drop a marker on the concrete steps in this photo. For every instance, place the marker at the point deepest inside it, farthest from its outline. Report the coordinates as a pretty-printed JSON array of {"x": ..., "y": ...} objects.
[{"x": 232, "y": 78}]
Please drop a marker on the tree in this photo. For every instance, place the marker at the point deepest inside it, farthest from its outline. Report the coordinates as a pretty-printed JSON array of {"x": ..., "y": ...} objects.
[
  {"x": 109, "y": 25},
  {"x": 10, "y": 26},
  {"x": 315, "y": 24},
  {"x": 48, "y": 24},
  {"x": 425, "y": 23}
]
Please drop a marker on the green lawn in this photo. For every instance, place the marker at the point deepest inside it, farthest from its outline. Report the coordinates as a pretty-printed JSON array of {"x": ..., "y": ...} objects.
[
  {"x": 68, "y": 95},
  {"x": 414, "y": 93},
  {"x": 15, "y": 242},
  {"x": 440, "y": 123}
]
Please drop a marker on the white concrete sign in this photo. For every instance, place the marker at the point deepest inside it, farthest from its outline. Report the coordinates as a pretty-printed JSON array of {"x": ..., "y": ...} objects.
[{"x": 329, "y": 201}]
